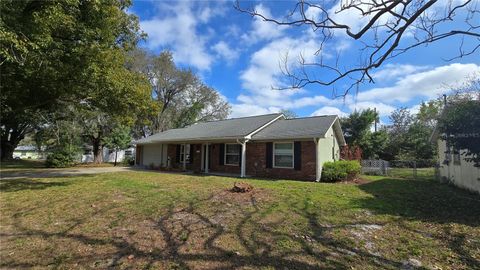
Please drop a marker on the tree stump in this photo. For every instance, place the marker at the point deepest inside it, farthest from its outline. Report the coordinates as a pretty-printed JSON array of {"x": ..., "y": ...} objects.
[{"x": 241, "y": 187}]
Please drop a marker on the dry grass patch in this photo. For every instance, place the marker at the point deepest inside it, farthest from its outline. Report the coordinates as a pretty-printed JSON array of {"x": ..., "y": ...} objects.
[{"x": 143, "y": 220}]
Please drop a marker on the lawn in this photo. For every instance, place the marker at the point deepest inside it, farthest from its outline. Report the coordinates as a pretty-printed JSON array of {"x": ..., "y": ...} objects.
[
  {"x": 149, "y": 220},
  {"x": 24, "y": 165}
]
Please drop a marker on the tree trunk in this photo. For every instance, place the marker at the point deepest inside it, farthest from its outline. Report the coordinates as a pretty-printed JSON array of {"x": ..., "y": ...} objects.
[
  {"x": 97, "y": 151},
  {"x": 6, "y": 150},
  {"x": 115, "y": 163},
  {"x": 10, "y": 141}
]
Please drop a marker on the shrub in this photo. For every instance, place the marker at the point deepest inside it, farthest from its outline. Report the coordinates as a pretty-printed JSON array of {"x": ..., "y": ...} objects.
[
  {"x": 129, "y": 161},
  {"x": 340, "y": 170},
  {"x": 61, "y": 158}
]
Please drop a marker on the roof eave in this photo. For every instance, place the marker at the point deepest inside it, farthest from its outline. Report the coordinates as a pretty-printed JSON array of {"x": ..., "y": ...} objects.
[{"x": 204, "y": 139}]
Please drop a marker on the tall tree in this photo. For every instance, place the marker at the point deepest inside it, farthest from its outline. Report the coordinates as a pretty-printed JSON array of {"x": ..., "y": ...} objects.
[
  {"x": 459, "y": 122},
  {"x": 57, "y": 52},
  {"x": 357, "y": 131},
  {"x": 119, "y": 139},
  {"x": 182, "y": 98},
  {"x": 408, "y": 134}
]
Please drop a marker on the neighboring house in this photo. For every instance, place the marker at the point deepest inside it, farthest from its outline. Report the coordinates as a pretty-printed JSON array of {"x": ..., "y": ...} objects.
[
  {"x": 108, "y": 154},
  {"x": 28, "y": 152},
  {"x": 263, "y": 146},
  {"x": 453, "y": 168}
]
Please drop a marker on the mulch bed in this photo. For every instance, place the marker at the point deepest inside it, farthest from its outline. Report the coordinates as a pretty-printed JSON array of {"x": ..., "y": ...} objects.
[{"x": 246, "y": 198}]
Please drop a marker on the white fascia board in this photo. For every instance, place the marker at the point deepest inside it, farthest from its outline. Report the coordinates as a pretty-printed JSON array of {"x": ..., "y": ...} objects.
[{"x": 249, "y": 136}]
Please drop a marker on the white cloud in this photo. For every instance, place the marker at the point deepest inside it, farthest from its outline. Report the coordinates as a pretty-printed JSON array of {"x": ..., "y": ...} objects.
[
  {"x": 327, "y": 110},
  {"x": 240, "y": 110},
  {"x": 176, "y": 29},
  {"x": 413, "y": 83},
  {"x": 394, "y": 71},
  {"x": 225, "y": 51},
  {"x": 429, "y": 84},
  {"x": 262, "y": 30},
  {"x": 382, "y": 108},
  {"x": 264, "y": 71}
]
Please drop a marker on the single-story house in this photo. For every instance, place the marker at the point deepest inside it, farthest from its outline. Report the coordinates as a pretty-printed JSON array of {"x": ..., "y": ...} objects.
[
  {"x": 108, "y": 154},
  {"x": 28, "y": 152},
  {"x": 263, "y": 146},
  {"x": 452, "y": 166}
]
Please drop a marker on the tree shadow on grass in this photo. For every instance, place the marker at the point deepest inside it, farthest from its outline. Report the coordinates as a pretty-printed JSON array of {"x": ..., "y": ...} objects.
[
  {"x": 422, "y": 200},
  {"x": 13, "y": 185},
  {"x": 192, "y": 237}
]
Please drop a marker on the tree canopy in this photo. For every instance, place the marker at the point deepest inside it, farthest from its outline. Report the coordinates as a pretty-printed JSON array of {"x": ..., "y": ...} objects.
[
  {"x": 72, "y": 52},
  {"x": 459, "y": 123},
  {"x": 181, "y": 96}
]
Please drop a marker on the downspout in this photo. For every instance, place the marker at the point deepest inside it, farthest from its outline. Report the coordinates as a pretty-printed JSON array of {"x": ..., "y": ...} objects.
[
  {"x": 318, "y": 172},
  {"x": 243, "y": 157}
]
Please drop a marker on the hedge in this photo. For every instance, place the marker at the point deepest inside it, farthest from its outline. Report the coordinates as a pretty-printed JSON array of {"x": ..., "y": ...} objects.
[
  {"x": 340, "y": 170},
  {"x": 61, "y": 158}
]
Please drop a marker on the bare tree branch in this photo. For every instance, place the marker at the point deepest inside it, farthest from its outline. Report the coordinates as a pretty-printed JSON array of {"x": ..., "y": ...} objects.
[{"x": 390, "y": 28}]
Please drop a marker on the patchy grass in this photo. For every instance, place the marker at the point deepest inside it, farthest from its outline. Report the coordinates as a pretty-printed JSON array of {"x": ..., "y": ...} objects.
[
  {"x": 148, "y": 220},
  {"x": 421, "y": 173},
  {"x": 91, "y": 164},
  {"x": 22, "y": 164},
  {"x": 25, "y": 165}
]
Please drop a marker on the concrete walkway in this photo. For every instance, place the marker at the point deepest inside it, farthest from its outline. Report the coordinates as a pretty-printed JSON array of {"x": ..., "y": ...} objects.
[{"x": 46, "y": 173}]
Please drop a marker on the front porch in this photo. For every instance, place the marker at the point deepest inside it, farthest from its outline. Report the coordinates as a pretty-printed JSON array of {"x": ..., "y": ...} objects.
[{"x": 219, "y": 157}]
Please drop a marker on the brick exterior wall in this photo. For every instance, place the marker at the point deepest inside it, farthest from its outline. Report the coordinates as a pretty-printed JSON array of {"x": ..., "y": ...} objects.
[
  {"x": 215, "y": 162},
  {"x": 195, "y": 165},
  {"x": 256, "y": 161}
]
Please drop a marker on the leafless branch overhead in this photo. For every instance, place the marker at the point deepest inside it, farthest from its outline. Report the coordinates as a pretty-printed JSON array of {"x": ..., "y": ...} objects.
[{"x": 389, "y": 28}]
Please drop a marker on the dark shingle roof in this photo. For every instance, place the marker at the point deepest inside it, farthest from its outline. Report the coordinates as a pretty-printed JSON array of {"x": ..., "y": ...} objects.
[
  {"x": 229, "y": 128},
  {"x": 308, "y": 127}
]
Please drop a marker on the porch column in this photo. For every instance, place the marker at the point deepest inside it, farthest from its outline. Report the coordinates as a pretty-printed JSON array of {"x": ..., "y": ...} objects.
[
  {"x": 206, "y": 158},
  {"x": 184, "y": 157},
  {"x": 244, "y": 152}
]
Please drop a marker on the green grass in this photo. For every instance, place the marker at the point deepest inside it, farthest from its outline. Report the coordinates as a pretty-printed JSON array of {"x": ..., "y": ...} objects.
[
  {"x": 25, "y": 165},
  {"x": 21, "y": 164},
  {"x": 148, "y": 220},
  {"x": 421, "y": 173}
]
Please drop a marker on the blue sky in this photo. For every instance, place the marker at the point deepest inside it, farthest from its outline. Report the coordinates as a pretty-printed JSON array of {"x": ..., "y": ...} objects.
[{"x": 239, "y": 56}]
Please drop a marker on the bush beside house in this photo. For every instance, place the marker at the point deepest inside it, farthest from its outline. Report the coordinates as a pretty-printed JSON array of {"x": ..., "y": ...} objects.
[{"x": 340, "y": 170}]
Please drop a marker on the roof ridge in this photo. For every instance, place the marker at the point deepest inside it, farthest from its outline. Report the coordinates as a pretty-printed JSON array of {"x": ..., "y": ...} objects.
[
  {"x": 316, "y": 116},
  {"x": 240, "y": 117}
]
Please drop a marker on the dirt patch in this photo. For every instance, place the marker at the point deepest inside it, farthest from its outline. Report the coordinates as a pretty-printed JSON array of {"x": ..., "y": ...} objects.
[
  {"x": 356, "y": 181},
  {"x": 248, "y": 198}
]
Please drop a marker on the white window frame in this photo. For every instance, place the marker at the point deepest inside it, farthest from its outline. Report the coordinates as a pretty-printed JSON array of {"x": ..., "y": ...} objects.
[
  {"x": 293, "y": 155},
  {"x": 236, "y": 154},
  {"x": 182, "y": 153}
]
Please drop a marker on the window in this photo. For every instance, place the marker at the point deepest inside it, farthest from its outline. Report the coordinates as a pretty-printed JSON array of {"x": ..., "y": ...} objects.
[
  {"x": 232, "y": 154},
  {"x": 283, "y": 155},
  {"x": 182, "y": 152},
  {"x": 128, "y": 152}
]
